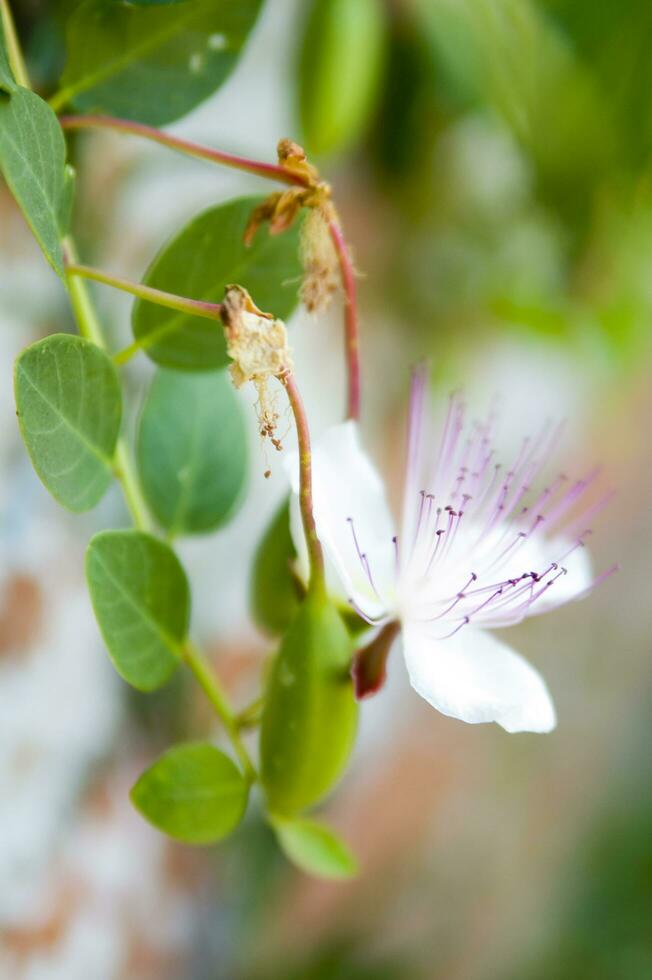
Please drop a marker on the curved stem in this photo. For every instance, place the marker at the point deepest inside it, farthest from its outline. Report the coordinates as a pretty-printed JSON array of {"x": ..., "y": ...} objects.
[
  {"x": 273, "y": 171},
  {"x": 212, "y": 688},
  {"x": 315, "y": 553},
  {"x": 351, "y": 331},
  {"x": 91, "y": 328},
  {"x": 16, "y": 59},
  {"x": 196, "y": 307}
]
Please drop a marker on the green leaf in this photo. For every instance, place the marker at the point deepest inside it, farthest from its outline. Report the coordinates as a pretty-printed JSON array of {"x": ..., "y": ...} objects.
[
  {"x": 310, "y": 715},
  {"x": 315, "y": 848},
  {"x": 192, "y": 450},
  {"x": 205, "y": 257},
  {"x": 153, "y": 62},
  {"x": 274, "y": 595},
  {"x": 69, "y": 407},
  {"x": 194, "y": 793},
  {"x": 32, "y": 161},
  {"x": 141, "y": 600},
  {"x": 7, "y": 83},
  {"x": 340, "y": 71}
]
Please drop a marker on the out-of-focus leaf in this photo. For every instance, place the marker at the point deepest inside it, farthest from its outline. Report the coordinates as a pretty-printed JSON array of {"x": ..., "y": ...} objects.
[
  {"x": 310, "y": 714},
  {"x": 408, "y": 120},
  {"x": 151, "y": 3},
  {"x": 69, "y": 406},
  {"x": 32, "y": 161},
  {"x": 141, "y": 600},
  {"x": 205, "y": 257},
  {"x": 340, "y": 70},
  {"x": 612, "y": 41},
  {"x": 315, "y": 848},
  {"x": 507, "y": 56},
  {"x": 192, "y": 450},
  {"x": 152, "y": 63},
  {"x": 194, "y": 793},
  {"x": 274, "y": 591}
]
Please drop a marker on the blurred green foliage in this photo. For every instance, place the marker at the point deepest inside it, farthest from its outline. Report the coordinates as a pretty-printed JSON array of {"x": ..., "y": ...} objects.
[
  {"x": 511, "y": 154},
  {"x": 602, "y": 928}
]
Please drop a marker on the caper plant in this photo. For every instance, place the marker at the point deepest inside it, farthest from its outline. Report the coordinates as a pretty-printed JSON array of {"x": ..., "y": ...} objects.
[{"x": 333, "y": 580}]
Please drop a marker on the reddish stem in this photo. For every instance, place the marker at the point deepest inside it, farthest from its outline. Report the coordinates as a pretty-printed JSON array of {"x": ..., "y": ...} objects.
[
  {"x": 315, "y": 552},
  {"x": 350, "y": 319},
  {"x": 271, "y": 170}
]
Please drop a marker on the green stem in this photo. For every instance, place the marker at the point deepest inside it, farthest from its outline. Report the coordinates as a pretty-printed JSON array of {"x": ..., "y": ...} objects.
[
  {"x": 213, "y": 691},
  {"x": 273, "y": 171},
  {"x": 91, "y": 328},
  {"x": 16, "y": 60},
  {"x": 196, "y": 307},
  {"x": 250, "y": 716},
  {"x": 125, "y": 355},
  {"x": 315, "y": 552}
]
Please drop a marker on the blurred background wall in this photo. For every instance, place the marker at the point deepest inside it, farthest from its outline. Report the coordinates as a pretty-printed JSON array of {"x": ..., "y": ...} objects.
[{"x": 491, "y": 162}]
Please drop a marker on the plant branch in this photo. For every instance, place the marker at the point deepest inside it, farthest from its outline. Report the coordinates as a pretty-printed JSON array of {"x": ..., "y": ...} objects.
[
  {"x": 351, "y": 329},
  {"x": 315, "y": 553},
  {"x": 272, "y": 171},
  {"x": 196, "y": 307},
  {"x": 91, "y": 328},
  {"x": 213, "y": 690}
]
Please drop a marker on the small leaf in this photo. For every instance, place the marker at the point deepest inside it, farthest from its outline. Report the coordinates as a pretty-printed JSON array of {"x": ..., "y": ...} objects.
[
  {"x": 69, "y": 408},
  {"x": 274, "y": 589},
  {"x": 192, "y": 450},
  {"x": 310, "y": 715},
  {"x": 205, "y": 257},
  {"x": 7, "y": 83},
  {"x": 194, "y": 793},
  {"x": 32, "y": 161},
  {"x": 340, "y": 71},
  {"x": 315, "y": 848},
  {"x": 141, "y": 600},
  {"x": 151, "y": 62}
]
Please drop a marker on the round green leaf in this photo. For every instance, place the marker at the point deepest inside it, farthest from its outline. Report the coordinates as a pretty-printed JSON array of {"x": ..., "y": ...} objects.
[
  {"x": 32, "y": 161},
  {"x": 192, "y": 450},
  {"x": 315, "y": 848},
  {"x": 69, "y": 406},
  {"x": 205, "y": 257},
  {"x": 310, "y": 714},
  {"x": 141, "y": 600},
  {"x": 151, "y": 62},
  {"x": 340, "y": 69},
  {"x": 274, "y": 595},
  {"x": 194, "y": 793}
]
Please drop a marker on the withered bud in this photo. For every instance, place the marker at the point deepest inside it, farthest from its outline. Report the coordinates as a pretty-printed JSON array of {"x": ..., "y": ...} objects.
[
  {"x": 293, "y": 158},
  {"x": 281, "y": 208},
  {"x": 320, "y": 262},
  {"x": 258, "y": 345},
  {"x": 256, "y": 342}
]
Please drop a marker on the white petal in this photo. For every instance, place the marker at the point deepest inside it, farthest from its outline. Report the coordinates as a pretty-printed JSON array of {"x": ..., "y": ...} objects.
[
  {"x": 347, "y": 488},
  {"x": 476, "y": 678}
]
